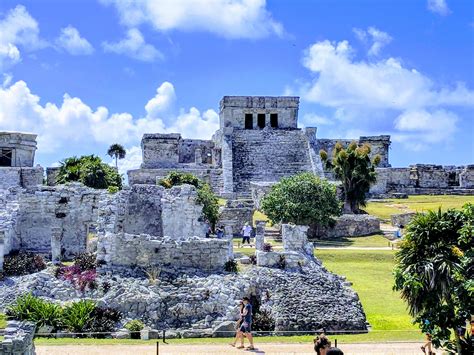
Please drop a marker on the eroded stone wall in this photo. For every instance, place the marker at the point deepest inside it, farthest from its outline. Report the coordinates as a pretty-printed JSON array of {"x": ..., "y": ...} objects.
[
  {"x": 23, "y": 177},
  {"x": 124, "y": 250},
  {"x": 235, "y": 214}
]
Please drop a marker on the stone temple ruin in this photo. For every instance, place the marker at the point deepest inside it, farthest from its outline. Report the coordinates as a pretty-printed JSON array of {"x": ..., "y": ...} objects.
[{"x": 147, "y": 226}]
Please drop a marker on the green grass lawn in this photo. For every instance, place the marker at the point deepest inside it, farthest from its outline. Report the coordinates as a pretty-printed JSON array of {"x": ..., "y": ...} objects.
[
  {"x": 377, "y": 240},
  {"x": 371, "y": 275},
  {"x": 384, "y": 208}
]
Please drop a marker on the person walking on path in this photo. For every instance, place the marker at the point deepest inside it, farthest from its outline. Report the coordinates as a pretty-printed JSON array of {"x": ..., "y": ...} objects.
[
  {"x": 427, "y": 345},
  {"x": 246, "y": 233},
  {"x": 238, "y": 335},
  {"x": 245, "y": 328}
]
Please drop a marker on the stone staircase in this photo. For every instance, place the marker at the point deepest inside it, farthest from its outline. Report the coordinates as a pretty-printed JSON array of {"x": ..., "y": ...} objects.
[{"x": 272, "y": 235}]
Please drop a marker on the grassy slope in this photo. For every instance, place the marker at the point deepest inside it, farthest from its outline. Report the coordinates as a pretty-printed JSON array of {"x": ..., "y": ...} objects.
[
  {"x": 383, "y": 209},
  {"x": 371, "y": 275},
  {"x": 377, "y": 240}
]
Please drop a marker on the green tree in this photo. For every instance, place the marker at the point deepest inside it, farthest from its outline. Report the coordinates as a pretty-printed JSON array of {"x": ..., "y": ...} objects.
[
  {"x": 206, "y": 197},
  {"x": 302, "y": 199},
  {"x": 89, "y": 170},
  {"x": 434, "y": 272},
  {"x": 353, "y": 167},
  {"x": 116, "y": 151}
]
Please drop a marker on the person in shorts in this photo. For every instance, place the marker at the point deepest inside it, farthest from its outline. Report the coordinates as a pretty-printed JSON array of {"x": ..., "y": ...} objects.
[
  {"x": 245, "y": 327},
  {"x": 246, "y": 233}
]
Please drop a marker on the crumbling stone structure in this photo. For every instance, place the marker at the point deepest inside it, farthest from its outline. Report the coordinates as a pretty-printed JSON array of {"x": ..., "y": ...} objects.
[
  {"x": 17, "y": 154},
  {"x": 48, "y": 220},
  {"x": 258, "y": 141},
  {"x": 18, "y": 339},
  {"x": 148, "y": 225}
]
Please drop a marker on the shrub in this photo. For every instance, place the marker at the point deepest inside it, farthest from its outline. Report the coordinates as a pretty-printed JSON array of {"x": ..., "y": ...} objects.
[
  {"x": 37, "y": 310},
  {"x": 253, "y": 259},
  {"x": 80, "y": 279},
  {"x": 134, "y": 326},
  {"x": 89, "y": 170},
  {"x": 22, "y": 263},
  {"x": 231, "y": 266},
  {"x": 78, "y": 316},
  {"x": 103, "y": 320},
  {"x": 281, "y": 264},
  {"x": 267, "y": 247},
  {"x": 302, "y": 199},
  {"x": 85, "y": 261},
  {"x": 263, "y": 321},
  {"x": 207, "y": 198},
  {"x": 153, "y": 273},
  {"x": 113, "y": 189}
]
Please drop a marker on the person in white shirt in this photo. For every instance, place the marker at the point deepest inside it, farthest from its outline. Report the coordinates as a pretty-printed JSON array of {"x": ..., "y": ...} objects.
[{"x": 246, "y": 233}]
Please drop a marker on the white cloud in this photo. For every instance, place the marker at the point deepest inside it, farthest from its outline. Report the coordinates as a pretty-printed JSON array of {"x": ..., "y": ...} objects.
[
  {"x": 134, "y": 46},
  {"x": 439, "y": 7},
  {"x": 314, "y": 119},
  {"x": 226, "y": 18},
  {"x": 377, "y": 38},
  {"x": 57, "y": 126},
  {"x": 163, "y": 101},
  {"x": 382, "y": 95},
  {"x": 73, "y": 43},
  {"x": 132, "y": 160},
  {"x": 18, "y": 30}
]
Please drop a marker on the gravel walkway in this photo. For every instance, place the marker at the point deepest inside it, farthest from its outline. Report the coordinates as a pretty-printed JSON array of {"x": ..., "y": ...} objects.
[{"x": 287, "y": 349}]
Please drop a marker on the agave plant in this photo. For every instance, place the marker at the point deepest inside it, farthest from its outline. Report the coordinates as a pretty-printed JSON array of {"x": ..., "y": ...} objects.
[{"x": 78, "y": 315}]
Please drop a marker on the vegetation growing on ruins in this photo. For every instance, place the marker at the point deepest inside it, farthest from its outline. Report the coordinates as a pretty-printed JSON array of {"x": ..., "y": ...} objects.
[
  {"x": 434, "y": 274},
  {"x": 302, "y": 199},
  {"x": 22, "y": 263},
  {"x": 81, "y": 316},
  {"x": 353, "y": 167},
  {"x": 206, "y": 197},
  {"x": 116, "y": 151},
  {"x": 89, "y": 170}
]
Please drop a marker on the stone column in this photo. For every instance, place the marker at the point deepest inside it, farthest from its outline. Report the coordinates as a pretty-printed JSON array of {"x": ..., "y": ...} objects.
[
  {"x": 56, "y": 233},
  {"x": 229, "y": 236},
  {"x": 227, "y": 162},
  {"x": 198, "y": 156},
  {"x": 259, "y": 235},
  {"x": 2, "y": 249}
]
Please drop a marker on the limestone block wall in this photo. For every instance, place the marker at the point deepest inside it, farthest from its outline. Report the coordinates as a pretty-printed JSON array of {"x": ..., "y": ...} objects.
[
  {"x": 401, "y": 218},
  {"x": 212, "y": 176},
  {"x": 22, "y": 147},
  {"x": 18, "y": 338},
  {"x": 235, "y": 214},
  {"x": 295, "y": 239},
  {"x": 188, "y": 147},
  {"x": 349, "y": 225},
  {"x": 234, "y": 108},
  {"x": 24, "y": 177},
  {"x": 258, "y": 191},
  {"x": 267, "y": 155},
  {"x": 124, "y": 250},
  {"x": 153, "y": 210},
  {"x": 51, "y": 175},
  {"x": 35, "y": 215},
  {"x": 466, "y": 177}
]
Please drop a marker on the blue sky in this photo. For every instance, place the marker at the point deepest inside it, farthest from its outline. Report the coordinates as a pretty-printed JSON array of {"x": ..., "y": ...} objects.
[{"x": 86, "y": 74}]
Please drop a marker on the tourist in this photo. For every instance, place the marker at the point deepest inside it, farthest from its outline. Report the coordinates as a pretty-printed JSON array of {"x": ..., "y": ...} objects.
[
  {"x": 246, "y": 233},
  {"x": 427, "y": 345},
  {"x": 209, "y": 232},
  {"x": 400, "y": 231},
  {"x": 238, "y": 334},
  {"x": 321, "y": 343},
  {"x": 245, "y": 327},
  {"x": 220, "y": 232}
]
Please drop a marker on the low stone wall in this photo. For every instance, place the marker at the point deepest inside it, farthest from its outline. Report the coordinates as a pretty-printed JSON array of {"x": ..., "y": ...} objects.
[
  {"x": 20, "y": 177},
  {"x": 51, "y": 175},
  {"x": 124, "y": 250},
  {"x": 349, "y": 225},
  {"x": 18, "y": 339},
  {"x": 235, "y": 214},
  {"x": 401, "y": 218}
]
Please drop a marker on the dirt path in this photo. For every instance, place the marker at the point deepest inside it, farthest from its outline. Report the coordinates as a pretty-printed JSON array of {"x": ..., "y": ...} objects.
[{"x": 287, "y": 349}]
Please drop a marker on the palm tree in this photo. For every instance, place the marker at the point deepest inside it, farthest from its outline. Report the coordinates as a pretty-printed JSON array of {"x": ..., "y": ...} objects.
[
  {"x": 116, "y": 151},
  {"x": 432, "y": 272}
]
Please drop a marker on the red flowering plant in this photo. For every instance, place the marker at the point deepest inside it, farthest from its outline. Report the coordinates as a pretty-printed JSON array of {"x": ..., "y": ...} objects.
[{"x": 82, "y": 273}]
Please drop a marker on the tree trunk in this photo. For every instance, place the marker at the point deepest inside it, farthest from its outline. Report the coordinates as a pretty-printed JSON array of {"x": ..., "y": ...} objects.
[
  {"x": 116, "y": 163},
  {"x": 458, "y": 342},
  {"x": 347, "y": 207}
]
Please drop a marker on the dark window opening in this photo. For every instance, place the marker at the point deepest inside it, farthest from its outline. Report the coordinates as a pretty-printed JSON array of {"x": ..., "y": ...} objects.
[
  {"x": 5, "y": 157},
  {"x": 274, "y": 120},
  {"x": 261, "y": 120},
  {"x": 248, "y": 121}
]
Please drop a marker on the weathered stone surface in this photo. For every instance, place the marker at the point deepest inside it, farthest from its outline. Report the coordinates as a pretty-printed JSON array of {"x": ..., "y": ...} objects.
[
  {"x": 401, "y": 218},
  {"x": 20, "y": 177},
  {"x": 224, "y": 329},
  {"x": 235, "y": 214},
  {"x": 349, "y": 225},
  {"x": 21, "y": 148},
  {"x": 18, "y": 339}
]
